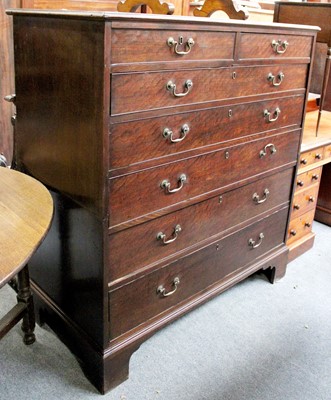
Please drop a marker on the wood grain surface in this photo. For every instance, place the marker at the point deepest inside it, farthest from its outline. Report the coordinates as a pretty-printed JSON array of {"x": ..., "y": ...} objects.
[{"x": 26, "y": 210}]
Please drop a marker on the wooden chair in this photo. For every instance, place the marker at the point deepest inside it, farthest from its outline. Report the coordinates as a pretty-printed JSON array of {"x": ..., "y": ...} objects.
[
  {"x": 26, "y": 210},
  {"x": 156, "y": 6},
  {"x": 211, "y": 6}
]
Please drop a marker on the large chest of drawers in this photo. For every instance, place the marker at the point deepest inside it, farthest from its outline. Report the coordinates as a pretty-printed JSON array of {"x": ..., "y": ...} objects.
[{"x": 170, "y": 146}]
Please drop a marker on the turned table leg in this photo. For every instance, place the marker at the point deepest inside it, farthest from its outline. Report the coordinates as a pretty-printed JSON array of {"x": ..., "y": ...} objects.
[{"x": 24, "y": 295}]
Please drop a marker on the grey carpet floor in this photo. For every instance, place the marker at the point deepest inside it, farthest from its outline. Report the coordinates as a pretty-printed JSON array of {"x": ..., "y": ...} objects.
[{"x": 256, "y": 341}]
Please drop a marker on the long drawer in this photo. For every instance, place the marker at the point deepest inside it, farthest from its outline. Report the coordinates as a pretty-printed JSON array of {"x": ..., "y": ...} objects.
[
  {"x": 193, "y": 273},
  {"x": 132, "y": 92},
  {"x": 196, "y": 223},
  {"x": 150, "y": 45},
  {"x": 173, "y": 134},
  {"x": 149, "y": 190}
]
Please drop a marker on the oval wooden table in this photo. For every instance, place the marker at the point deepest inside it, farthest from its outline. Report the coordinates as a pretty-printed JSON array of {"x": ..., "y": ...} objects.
[{"x": 26, "y": 210}]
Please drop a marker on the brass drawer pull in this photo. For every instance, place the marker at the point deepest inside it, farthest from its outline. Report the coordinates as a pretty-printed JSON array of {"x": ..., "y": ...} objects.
[
  {"x": 256, "y": 197},
  {"x": 279, "y": 46},
  {"x": 171, "y": 42},
  {"x": 296, "y": 206},
  {"x": 276, "y": 80},
  {"x": 168, "y": 133},
  {"x": 267, "y": 114},
  {"x": 300, "y": 183},
  {"x": 172, "y": 88},
  {"x": 293, "y": 232},
  {"x": 162, "y": 236},
  {"x": 318, "y": 156},
  {"x": 165, "y": 184},
  {"x": 315, "y": 177},
  {"x": 307, "y": 224},
  {"x": 303, "y": 161},
  {"x": 161, "y": 290},
  {"x": 311, "y": 199},
  {"x": 272, "y": 147},
  {"x": 253, "y": 244}
]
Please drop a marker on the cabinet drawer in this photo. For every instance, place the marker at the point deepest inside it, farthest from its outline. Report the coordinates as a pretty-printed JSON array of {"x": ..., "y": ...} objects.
[
  {"x": 147, "y": 191},
  {"x": 197, "y": 222},
  {"x": 304, "y": 201},
  {"x": 138, "y": 141},
  {"x": 311, "y": 157},
  {"x": 256, "y": 45},
  {"x": 142, "y": 92},
  {"x": 327, "y": 151},
  {"x": 149, "y": 45},
  {"x": 195, "y": 273},
  {"x": 308, "y": 178},
  {"x": 300, "y": 226}
]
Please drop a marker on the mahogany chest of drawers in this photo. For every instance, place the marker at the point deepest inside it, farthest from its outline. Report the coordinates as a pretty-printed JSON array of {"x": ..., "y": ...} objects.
[{"x": 170, "y": 146}]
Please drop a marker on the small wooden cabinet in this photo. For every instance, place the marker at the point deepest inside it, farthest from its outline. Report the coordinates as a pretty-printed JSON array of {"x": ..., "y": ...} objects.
[
  {"x": 169, "y": 145},
  {"x": 312, "y": 158}
]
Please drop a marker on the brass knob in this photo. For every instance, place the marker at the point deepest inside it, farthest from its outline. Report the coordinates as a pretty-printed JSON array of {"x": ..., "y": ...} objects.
[
  {"x": 293, "y": 232},
  {"x": 300, "y": 183},
  {"x": 304, "y": 161},
  {"x": 296, "y": 206}
]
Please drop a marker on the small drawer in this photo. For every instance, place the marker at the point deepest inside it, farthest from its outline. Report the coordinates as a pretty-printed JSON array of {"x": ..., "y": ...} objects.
[
  {"x": 308, "y": 178},
  {"x": 194, "y": 224},
  {"x": 138, "y": 141},
  {"x": 151, "y": 190},
  {"x": 310, "y": 157},
  {"x": 155, "y": 90},
  {"x": 130, "y": 46},
  {"x": 304, "y": 201},
  {"x": 300, "y": 227},
  {"x": 167, "y": 287},
  {"x": 327, "y": 151},
  {"x": 259, "y": 45}
]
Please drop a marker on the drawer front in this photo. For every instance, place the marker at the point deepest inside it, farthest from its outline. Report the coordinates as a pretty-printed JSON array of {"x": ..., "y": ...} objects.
[
  {"x": 299, "y": 227},
  {"x": 195, "y": 273},
  {"x": 138, "y": 141},
  {"x": 304, "y": 201},
  {"x": 308, "y": 178},
  {"x": 142, "y": 92},
  {"x": 327, "y": 151},
  {"x": 145, "y": 192},
  {"x": 148, "y": 45},
  {"x": 197, "y": 222},
  {"x": 310, "y": 157},
  {"x": 256, "y": 46}
]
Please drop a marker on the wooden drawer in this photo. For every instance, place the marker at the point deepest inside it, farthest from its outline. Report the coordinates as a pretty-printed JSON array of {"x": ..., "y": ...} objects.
[
  {"x": 308, "y": 178},
  {"x": 197, "y": 222},
  {"x": 142, "y": 92},
  {"x": 150, "y": 45},
  {"x": 257, "y": 45},
  {"x": 152, "y": 139},
  {"x": 300, "y": 226},
  {"x": 327, "y": 151},
  {"x": 310, "y": 157},
  {"x": 134, "y": 195},
  {"x": 195, "y": 273},
  {"x": 304, "y": 201}
]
